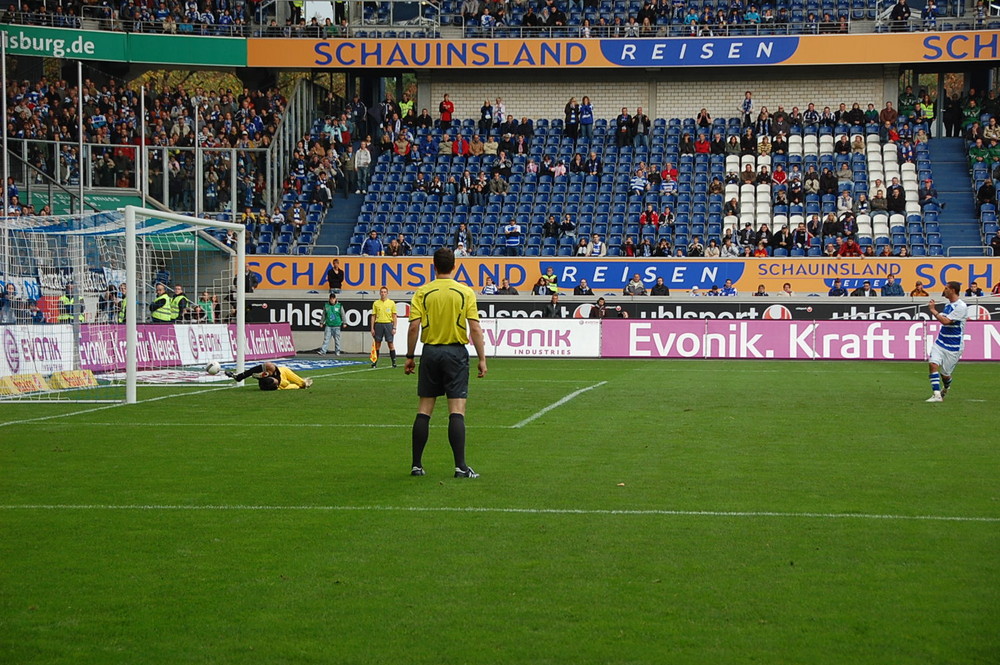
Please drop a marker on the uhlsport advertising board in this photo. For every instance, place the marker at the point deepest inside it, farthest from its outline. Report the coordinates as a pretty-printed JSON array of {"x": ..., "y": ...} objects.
[{"x": 307, "y": 314}]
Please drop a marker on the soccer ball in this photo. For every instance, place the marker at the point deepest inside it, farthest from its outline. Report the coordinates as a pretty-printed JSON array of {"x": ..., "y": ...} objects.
[{"x": 213, "y": 368}]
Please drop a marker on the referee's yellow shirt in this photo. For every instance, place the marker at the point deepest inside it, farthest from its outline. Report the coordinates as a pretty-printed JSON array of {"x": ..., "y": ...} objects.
[
  {"x": 383, "y": 310},
  {"x": 443, "y": 307}
]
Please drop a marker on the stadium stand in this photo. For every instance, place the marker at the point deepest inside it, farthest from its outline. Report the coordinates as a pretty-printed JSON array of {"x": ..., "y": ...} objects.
[
  {"x": 706, "y": 197},
  {"x": 975, "y": 119},
  {"x": 42, "y": 124}
]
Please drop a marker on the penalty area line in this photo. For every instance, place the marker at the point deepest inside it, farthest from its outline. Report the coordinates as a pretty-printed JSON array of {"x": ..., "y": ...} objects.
[
  {"x": 525, "y": 511},
  {"x": 555, "y": 405}
]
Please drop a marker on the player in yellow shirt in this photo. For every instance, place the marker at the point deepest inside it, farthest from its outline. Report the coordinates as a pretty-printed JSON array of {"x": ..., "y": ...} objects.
[
  {"x": 272, "y": 377},
  {"x": 445, "y": 317},
  {"x": 384, "y": 325}
]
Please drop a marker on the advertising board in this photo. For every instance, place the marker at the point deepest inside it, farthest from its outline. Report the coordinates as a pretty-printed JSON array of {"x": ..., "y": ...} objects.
[
  {"x": 742, "y": 51},
  {"x": 303, "y": 314},
  {"x": 368, "y": 274},
  {"x": 102, "y": 348},
  {"x": 36, "y": 349},
  {"x": 789, "y": 340}
]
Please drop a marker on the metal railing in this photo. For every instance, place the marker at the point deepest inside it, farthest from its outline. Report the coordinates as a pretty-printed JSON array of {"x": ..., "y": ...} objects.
[
  {"x": 428, "y": 21},
  {"x": 37, "y": 181},
  {"x": 983, "y": 250},
  {"x": 172, "y": 174},
  {"x": 302, "y": 110},
  {"x": 656, "y": 31},
  {"x": 251, "y": 24}
]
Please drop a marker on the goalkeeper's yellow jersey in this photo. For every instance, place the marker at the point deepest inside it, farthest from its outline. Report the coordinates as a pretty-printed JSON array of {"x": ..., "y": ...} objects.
[{"x": 289, "y": 379}]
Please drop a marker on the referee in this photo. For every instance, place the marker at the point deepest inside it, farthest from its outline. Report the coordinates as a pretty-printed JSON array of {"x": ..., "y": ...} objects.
[
  {"x": 445, "y": 316},
  {"x": 384, "y": 325}
]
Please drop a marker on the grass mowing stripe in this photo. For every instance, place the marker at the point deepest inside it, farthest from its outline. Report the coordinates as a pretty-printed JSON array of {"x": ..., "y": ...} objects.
[
  {"x": 556, "y": 405},
  {"x": 527, "y": 511}
]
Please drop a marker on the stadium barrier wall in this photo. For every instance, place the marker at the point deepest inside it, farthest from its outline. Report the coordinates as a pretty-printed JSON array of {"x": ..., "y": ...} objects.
[
  {"x": 806, "y": 275},
  {"x": 48, "y": 349}
]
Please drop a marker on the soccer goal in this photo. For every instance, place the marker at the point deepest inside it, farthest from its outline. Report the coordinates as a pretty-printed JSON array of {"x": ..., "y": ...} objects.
[{"x": 95, "y": 304}]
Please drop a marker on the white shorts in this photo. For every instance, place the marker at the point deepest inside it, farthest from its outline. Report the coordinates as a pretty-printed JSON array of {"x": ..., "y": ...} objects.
[{"x": 945, "y": 360}]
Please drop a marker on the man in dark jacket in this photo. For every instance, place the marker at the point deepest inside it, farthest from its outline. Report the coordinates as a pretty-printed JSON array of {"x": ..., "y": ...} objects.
[
  {"x": 552, "y": 310},
  {"x": 659, "y": 289}
]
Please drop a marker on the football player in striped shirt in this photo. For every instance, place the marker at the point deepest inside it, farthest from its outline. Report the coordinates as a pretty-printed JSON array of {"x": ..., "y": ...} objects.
[{"x": 950, "y": 340}]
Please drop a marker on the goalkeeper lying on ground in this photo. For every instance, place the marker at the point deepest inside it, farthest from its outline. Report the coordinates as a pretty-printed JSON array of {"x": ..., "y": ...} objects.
[{"x": 272, "y": 377}]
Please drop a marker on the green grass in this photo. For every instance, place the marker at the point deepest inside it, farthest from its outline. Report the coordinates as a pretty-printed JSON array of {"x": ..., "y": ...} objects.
[{"x": 300, "y": 544}]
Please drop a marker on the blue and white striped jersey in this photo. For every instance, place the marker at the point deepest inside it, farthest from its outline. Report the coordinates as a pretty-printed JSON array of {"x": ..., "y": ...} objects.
[{"x": 952, "y": 337}]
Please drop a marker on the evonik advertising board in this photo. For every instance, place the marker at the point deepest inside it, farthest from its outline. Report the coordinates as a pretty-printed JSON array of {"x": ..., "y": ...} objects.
[
  {"x": 789, "y": 340},
  {"x": 36, "y": 349}
]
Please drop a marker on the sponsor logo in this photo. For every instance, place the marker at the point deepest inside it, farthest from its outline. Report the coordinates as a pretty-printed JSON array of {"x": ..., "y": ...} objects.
[
  {"x": 59, "y": 48},
  {"x": 706, "y": 51},
  {"x": 10, "y": 352},
  {"x": 979, "y": 313},
  {"x": 777, "y": 312},
  {"x": 532, "y": 341},
  {"x": 193, "y": 343}
]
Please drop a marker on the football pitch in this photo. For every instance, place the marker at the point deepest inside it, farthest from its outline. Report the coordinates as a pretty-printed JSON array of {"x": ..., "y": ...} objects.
[{"x": 627, "y": 512}]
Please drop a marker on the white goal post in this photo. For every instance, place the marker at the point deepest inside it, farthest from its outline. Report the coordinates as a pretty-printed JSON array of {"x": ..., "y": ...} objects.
[
  {"x": 94, "y": 303},
  {"x": 132, "y": 215}
]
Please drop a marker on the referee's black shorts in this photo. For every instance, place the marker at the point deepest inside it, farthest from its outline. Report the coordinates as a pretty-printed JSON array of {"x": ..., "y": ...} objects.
[
  {"x": 383, "y": 332},
  {"x": 444, "y": 370}
]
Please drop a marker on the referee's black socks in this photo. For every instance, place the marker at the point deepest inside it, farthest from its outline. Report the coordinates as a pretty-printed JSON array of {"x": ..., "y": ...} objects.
[
  {"x": 456, "y": 437},
  {"x": 392, "y": 356},
  {"x": 421, "y": 424}
]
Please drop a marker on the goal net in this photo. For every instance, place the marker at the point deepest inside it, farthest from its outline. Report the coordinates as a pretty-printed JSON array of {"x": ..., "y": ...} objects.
[{"x": 93, "y": 304}]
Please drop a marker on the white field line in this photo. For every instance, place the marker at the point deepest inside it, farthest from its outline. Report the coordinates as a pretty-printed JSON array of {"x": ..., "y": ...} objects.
[
  {"x": 143, "y": 401},
  {"x": 110, "y": 406},
  {"x": 555, "y": 405},
  {"x": 517, "y": 511},
  {"x": 442, "y": 422},
  {"x": 353, "y": 371}
]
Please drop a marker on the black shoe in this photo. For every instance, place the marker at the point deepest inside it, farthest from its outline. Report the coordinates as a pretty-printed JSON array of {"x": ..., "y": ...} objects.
[
  {"x": 467, "y": 473},
  {"x": 230, "y": 373},
  {"x": 393, "y": 363},
  {"x": 373, "y": 365},
  {"x": 417, "y": 471}
]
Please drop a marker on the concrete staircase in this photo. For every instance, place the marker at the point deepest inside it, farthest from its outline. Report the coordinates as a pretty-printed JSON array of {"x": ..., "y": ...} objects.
[
  {"x": 959, "y": 221},
  {"x": 338, "y": 225}
]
